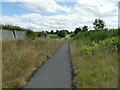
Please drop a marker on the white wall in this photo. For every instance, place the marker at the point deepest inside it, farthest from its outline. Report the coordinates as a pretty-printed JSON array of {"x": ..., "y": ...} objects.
[
  {"x": 8, "y": 35},
  {"x": 20, "y": 34}
]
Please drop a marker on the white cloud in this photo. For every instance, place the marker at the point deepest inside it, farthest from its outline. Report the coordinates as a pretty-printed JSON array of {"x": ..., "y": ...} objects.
[
  {"x": 82, "y": 13},
  {"x": 37, "y": 0},
  {"x": 24, "y": 0},
  {"x": 45, "y": 7}
]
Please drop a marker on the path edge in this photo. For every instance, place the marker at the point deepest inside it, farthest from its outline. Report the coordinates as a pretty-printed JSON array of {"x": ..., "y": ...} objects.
[
  {"x": 73, "y": 72},
  {"x": 32, "y": 74}
]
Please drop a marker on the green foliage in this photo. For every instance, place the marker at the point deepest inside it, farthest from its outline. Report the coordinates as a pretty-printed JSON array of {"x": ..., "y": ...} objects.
[
  {"x": 93, "y": 53},
  {"x": 77, "y": 30},
  {"x": 118, "y": 41},
  {"x": 85, "y": 28},
  {"x": 109, "y": 44},
  {"x": 67, "y": 31},
  {"x": 94, "y": 40},
  {"x": 52, "y": 32},
  {"x": 98, "y": 24},
  {"x": 53, "y": 35},
  {"x": 31, "y": 34},
  {"x": 43, "y": 34},
  {"x": 62, "y": 33},
  {"x": 39, "y": 34},
  {"x": 11, "y": 27},
  {"x": 95, "y": 35}
]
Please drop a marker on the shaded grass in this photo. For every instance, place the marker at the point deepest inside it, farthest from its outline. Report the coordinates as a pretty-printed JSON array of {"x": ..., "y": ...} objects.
[
  {"x": 20, "y": 58},
  {"x": 99, "y": 70}
]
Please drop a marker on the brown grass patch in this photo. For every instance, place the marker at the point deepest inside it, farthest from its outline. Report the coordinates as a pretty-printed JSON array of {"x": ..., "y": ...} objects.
[{"x": 20, "y": 58}]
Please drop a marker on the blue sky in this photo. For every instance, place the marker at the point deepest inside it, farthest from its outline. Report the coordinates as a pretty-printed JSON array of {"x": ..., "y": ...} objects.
[
  {"x": 54, "y": 15},
  {"x": 11, "y": 8},
  {"x": 15, "y": 8}
]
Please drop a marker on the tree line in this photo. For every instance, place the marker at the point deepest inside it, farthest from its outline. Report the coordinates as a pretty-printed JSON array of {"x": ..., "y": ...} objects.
[{"x": 98, "y": 24}]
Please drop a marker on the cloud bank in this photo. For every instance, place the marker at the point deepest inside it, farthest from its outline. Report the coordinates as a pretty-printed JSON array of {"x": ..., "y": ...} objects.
[{"x": 65, "y": 17}]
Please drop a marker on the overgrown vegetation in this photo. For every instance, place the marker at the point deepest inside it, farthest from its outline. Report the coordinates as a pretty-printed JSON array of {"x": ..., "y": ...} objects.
[
  {"x": 21, "y": 57},
  {"x": 32, "y": 34},
  {"x": 94, "y": 55},
  {"x": 62, "y": 33},
  {"x": 11, "y": 27}
]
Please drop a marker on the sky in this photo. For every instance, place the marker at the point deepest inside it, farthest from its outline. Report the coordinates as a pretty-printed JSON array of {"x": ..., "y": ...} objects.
[{"x": 46, "y": 15}]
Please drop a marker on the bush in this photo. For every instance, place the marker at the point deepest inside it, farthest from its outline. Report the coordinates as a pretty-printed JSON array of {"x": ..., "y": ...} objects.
[
  {"x": 11, "y": 27},
  {"x": 77, "y": 30},
  {"x": 62, "y": 33},
  {"x": 31, "y": 34},
  {"x": 43, "y": 34},
  {"x": 96, "y": 35}
]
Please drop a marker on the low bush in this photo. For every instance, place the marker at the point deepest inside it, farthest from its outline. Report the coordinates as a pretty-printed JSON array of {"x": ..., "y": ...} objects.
[
  {"x": 12, "y": 27},
  {"x": 62, "y": 33}
]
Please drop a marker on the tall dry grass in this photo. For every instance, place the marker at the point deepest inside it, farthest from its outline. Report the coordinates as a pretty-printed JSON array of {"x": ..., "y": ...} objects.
[
  {"x": 20, "y": 58},
  {"x": 0, "y": 65}
]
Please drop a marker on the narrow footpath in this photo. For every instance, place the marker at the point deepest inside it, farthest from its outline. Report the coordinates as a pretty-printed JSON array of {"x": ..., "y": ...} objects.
[{"x": 56, "y": 71}]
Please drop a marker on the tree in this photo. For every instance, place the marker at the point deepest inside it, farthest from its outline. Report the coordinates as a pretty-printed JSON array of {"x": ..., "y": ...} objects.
[
  {"x": 56, "y": 31},
  {"x": 52, "y": 32},
  {"x": 67, "y": 31},
  {"x": 43, "y": 34},
  {"x": 85, "y": 28},
  {"x": 98, "y": 24},
  {"x": 39, "y": 34},
  {"x": 31, "y": 34},
  {"x": 62, "y": 33},
  {"x": 47, "y": 32},
  {"x": 77, "y": 30}
]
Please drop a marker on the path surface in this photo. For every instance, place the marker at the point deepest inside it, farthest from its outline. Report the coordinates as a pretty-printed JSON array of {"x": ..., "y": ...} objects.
[{"x": 55, "y": 73}]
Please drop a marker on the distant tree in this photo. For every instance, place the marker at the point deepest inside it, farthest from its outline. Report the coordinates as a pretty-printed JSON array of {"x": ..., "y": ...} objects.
[
  {"x": 71, "y": 32},
  {"x": 31, "y": 34},
  {"x": 98, "y": 24},
  {"x": 85, "y": 28},
  {"x": 62, "y": 33},
  {"x": 77, "y": 30},
  {"x": 52, "y": 32},
  {"x": 43, "y": 34},
  {"x": 67, "y": 31},
  {"x": 39, "y": 34},
  {"x": 56, "y": 32},
  {"x": 118, "y": 45},
  {"x": 47, "y": 32}
]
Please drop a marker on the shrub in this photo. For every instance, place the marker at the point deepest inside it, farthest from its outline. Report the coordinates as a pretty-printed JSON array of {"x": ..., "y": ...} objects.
[
  {"x": 77, "y": 30},
  {"x": 11, "y": 27},
  {"x": 31, "y": 34},
  {"x": 62, "y": 33}
]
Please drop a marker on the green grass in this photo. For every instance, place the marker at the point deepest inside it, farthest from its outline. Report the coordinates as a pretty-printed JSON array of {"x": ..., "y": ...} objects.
[
  {"x": 95, "y": 62},
  {"x": 95, "y": 71},
  {"x": 20, "y": 58},
  {"x": 53, "y": 35}
]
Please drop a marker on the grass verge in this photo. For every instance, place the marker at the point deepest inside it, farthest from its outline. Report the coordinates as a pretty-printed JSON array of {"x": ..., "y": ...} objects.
[
  {"x": 98, "y": 69},
  {"x": 20, "y": 58}
]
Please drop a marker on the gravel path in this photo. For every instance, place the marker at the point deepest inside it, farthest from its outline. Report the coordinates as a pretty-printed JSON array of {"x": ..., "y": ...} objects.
[{"x": 55, "y": 73}]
